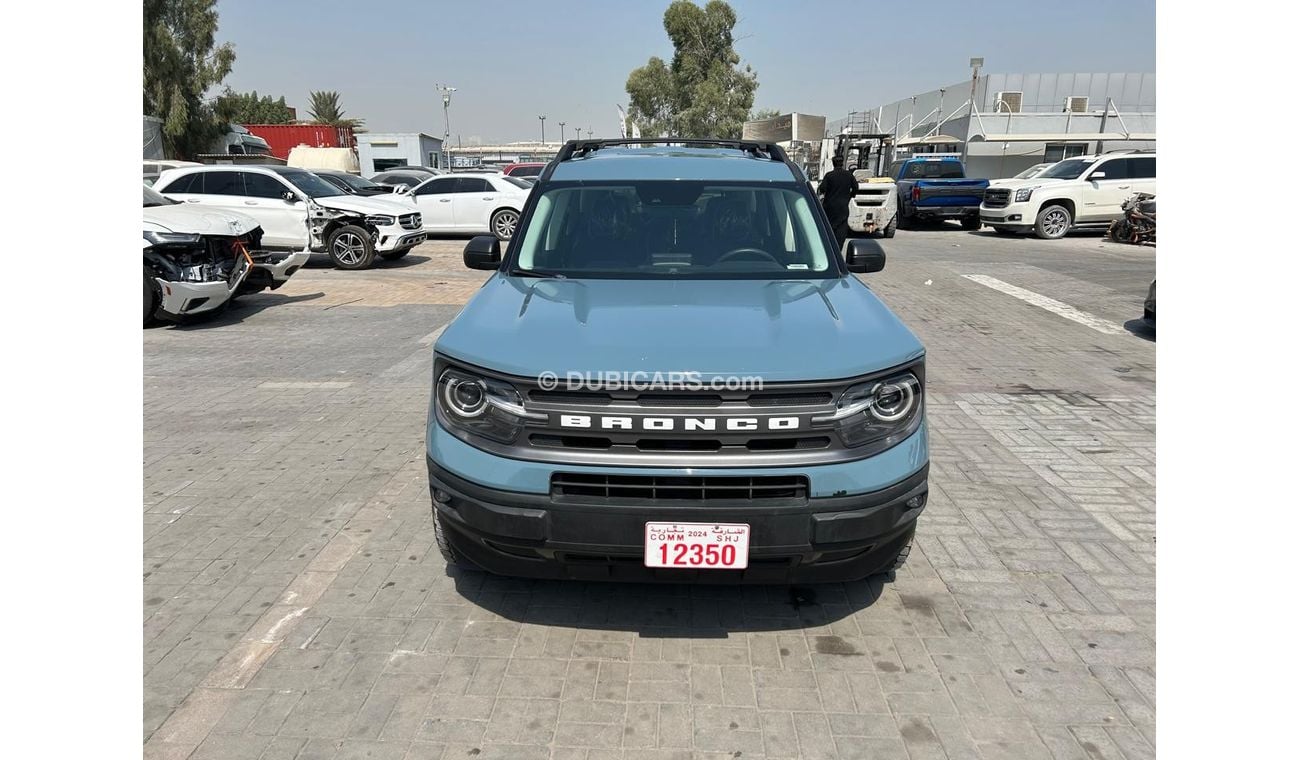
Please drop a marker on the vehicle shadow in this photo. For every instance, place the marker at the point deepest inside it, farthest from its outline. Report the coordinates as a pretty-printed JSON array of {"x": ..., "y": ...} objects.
[
  {"x": 1141, "y": 329},
  {"x": 666, "y": 610},
  {"x": 322, "y": 261},
  {"x": 241, "y": 309}
]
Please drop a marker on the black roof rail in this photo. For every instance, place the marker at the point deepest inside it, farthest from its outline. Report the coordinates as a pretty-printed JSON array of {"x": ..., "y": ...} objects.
[{"x": 579, "y": 148}]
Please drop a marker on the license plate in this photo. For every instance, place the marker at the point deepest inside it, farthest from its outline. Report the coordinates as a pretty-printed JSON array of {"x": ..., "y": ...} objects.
[{"x": 697, "y": 546}]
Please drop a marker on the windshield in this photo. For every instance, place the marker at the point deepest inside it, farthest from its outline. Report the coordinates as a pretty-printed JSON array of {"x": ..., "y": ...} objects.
[
  {"x": 355, "y": 182},
  {"x": 516, "y": 181},
  {"x": 674, "y": 230},
  {"x": 311, "y": 185},
  {"x": 1068, "y": 169},
  {"x": 154, "y": 198},
  {"x": 1030, "y": 172}
]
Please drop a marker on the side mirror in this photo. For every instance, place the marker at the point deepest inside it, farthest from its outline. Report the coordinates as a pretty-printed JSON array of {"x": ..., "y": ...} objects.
[
  {"x": 864, "y": 255},
  {"x": 1097, "y": 175},
  {"x": 289, "y": 196},
  {"x": 401, "y": 189},
  {"x": 482, "y": 252}
]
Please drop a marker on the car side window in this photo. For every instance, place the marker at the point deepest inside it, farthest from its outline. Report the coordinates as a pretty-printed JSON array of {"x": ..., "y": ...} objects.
[
  {"x": 438, "y": 187},
  {"x": 1116, "y": 168},
  {"x": 1143, "y": 167},
  {"x": 262, "y": 186},
  {"x": 223, "y": 183},
  {"x": 472, "y": 185},
  {"x": 188, "y": 183}
]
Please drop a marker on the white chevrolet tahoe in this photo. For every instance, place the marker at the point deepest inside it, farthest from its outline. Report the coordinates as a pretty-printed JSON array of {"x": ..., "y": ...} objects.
[
  {"x": 1086, "y": 191},
  {"x": 299, "y": 211}
]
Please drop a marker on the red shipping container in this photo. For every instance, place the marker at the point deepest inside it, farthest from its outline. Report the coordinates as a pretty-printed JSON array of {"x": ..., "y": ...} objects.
[{"x": 285, "y": 137}]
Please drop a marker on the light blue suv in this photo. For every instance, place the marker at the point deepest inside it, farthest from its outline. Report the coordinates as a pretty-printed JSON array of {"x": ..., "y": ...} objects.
[{"x": 674, "y": 375}]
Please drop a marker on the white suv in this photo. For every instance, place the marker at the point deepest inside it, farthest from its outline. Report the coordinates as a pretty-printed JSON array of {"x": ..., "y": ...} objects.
[
  {"x": 1086, "y": 191},
  {"x": 300, "y": 211}
]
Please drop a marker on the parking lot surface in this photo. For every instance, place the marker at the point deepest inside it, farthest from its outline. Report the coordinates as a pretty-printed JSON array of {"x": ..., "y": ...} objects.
[{"x": 296, "y": 606}]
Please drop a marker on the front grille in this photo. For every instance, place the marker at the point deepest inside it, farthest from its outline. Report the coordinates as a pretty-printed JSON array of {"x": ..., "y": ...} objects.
[
  {"x": 997, "y": 197},
  {"x": 589, "y": 487},
  {"x": 410, "y": 221}
]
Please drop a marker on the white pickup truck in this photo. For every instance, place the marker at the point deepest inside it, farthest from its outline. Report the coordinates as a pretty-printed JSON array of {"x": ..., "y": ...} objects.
[{"x": 1086, "y": 191}]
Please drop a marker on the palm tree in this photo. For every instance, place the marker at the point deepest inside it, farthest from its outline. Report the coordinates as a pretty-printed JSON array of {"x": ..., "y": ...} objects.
[{"x": 325, "y": 109}]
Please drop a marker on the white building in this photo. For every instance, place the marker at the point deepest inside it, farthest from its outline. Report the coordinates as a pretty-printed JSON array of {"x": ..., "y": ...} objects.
[
  {"x": 1018, "y": 120},
  {"x": 377, "y": 151}
]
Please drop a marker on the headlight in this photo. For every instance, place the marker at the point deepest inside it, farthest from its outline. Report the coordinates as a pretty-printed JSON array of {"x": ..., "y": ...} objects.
[
  {"x": 1023, "y": 194},
  {"x": 482, "y": 406},
  {"x": 379, "y": 220},
  {"x": 172, "y": 238},
  {"x": 879, "y": 411}
]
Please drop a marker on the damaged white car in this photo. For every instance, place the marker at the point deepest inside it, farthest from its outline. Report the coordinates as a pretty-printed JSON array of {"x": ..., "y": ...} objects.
[
  {"x": 197, "y": 260},
  {"x": 300, "y": 211}
]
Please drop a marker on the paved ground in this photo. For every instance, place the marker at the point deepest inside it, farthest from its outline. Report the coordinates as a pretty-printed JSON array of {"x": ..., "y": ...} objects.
[{"x": 295, "y": 606}]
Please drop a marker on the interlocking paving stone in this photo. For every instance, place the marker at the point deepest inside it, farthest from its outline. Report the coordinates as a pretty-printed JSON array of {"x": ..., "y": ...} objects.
[{"x": 296, "y": 607}]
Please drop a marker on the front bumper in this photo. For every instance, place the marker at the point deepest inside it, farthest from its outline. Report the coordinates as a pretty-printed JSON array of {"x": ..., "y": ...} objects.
[
  {"x": 1007, "y": 216},
  {"x": 183, "y": 299},
  {"x": 396, "y": 239},
  {"x": 281, "y": 270},
  {"x": 836, "y": 538}
]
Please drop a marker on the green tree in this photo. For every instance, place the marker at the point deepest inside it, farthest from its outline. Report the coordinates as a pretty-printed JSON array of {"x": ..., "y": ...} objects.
[
  {"x": 765, "y": 113},
  {"x": 324, "y": 108},
  {"x": 248, "y": 108},
  {"x": 703, "y": 92},
  {"x": 181, "y": 63}
]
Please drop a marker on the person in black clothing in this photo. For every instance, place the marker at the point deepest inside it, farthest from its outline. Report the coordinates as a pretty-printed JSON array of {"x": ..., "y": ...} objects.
[{"x": 837, "y": 188}]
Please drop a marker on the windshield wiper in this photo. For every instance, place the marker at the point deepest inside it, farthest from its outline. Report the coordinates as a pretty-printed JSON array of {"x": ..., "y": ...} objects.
[{"x": 517, "y": 272}]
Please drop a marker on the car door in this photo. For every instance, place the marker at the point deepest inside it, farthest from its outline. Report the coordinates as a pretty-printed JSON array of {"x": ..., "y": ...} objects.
[
  {"x": 435, "y": 201},
  {"x": 473, "y": 202},
  {"x": 284, "y": 222},
  {"x": 1104, "y": 195}
]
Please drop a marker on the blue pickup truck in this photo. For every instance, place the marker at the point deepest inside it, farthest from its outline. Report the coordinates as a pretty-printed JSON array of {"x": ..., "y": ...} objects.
[
  {"x": 673, "y": 374},
  {"x": 936, "y": 188}
]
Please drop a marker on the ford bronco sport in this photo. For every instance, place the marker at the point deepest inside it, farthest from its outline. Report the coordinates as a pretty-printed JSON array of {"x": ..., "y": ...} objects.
[{"x": 674, "y": 375}]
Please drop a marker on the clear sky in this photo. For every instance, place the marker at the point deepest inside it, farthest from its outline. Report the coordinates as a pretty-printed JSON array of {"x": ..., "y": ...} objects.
[{"x": 513, "y": 60}]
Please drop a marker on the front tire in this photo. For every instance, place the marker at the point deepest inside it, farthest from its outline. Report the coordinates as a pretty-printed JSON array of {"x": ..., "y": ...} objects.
[
  {"x": 448, "y": 552},
  {"x": 503, "y": 223},
  {"x": 1053, "y": 222},
  {"x": 971, "y": 223},
  {"x": 350, "y": 247},
  {"x": 890, "y": 228},
  {"x": 150, "y": 297},
  {"x": 1119, "y": 232}
]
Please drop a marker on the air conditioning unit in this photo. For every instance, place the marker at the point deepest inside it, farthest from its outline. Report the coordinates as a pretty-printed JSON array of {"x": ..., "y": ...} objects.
[
  {"x": 1008, "y": 102},
  {"x": 1077, "y": 104}
]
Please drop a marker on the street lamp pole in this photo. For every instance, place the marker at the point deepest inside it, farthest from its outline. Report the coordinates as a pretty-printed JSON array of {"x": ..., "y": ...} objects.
[
  {"x": 975, "y": 64},
  {"x": 446, "y": 91},
  {"x": 561, "y": 131},
  {"x": 543, "y": 118}
]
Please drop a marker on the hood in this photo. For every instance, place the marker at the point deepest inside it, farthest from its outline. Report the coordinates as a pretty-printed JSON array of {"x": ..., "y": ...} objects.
[
  {"x": 183, "y": 217},
  {"x": 785, "y": 330},
  {"x": 374, "y": 204},
  {"x": 1016, "y": 184}
]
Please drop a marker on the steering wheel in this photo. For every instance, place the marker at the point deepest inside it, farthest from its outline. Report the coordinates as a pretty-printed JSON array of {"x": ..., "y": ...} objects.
[{"x": 741, "y": 251}]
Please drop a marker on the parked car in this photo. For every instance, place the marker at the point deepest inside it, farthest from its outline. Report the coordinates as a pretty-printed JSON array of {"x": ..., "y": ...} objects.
[
  {"x": 526, "y": 169},
  {"x": 352, "y": 184},
  {"x": 470, "y": 202},
  {"x": 197, "y": 260},
  {"x": 936, "y": 187},
  {"x": 300, "y": 211},
  {"x": 732, "y": 403},
  {"x": 155, "y": 167},
  {"x": 400, "y": 179},
  {"x": 1081, "y": 192}
]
